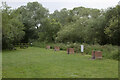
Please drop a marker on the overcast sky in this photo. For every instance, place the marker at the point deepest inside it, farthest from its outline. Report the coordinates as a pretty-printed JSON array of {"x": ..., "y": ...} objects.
[{"x": 69, "y": 4}]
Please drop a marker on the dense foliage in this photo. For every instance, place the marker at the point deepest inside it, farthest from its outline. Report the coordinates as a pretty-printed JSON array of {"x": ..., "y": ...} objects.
[
  {"x": 12, "y": 30},
  {"x": 33, "y": 22}
]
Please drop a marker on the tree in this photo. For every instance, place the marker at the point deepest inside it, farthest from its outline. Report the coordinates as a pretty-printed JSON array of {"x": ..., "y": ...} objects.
[
  {"x": 73, "y": 32},
  {"x": 112, "y": 28},
  {"x": 63, "y": 16},
  {"x": 12, "y": 28},
  {"x": 49, "y": 28},
  {"x": 33, "y": 16},
  {"x": 95, "y": 31}
]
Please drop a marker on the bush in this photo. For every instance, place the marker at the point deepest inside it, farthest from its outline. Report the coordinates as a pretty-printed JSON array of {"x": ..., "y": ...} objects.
[{"x": 108, "y": 51}]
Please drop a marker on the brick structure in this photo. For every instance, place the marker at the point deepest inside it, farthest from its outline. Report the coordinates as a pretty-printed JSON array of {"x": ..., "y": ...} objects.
[
  {"x": 70, "y": 50},
  {"x": 56, "y": 48},
  {"x": 96, "y": 55},
  {"x": 47, "y": 47}
]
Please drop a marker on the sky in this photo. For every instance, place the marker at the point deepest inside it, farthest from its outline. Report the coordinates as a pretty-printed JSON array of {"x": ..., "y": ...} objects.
[{"x": 53, "y": 5}]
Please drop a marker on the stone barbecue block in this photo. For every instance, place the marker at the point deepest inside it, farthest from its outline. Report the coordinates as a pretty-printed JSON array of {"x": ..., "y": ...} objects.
[
  {"x": 70, "y": 50},
  {"x": 56, "y": 48},
  {"x": 96, "y": 55},
  {"x": 47, "y": 47}
]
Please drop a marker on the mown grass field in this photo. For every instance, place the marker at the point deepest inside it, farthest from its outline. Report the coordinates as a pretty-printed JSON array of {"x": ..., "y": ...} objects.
[{"x": 36, "y": 62}]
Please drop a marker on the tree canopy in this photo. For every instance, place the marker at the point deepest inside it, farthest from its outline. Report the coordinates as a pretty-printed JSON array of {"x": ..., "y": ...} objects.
[{"x": 84, "y": 25}]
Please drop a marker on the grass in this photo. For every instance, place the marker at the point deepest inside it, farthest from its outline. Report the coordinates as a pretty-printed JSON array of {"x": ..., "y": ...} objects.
[{"x": 35, "y": 62}]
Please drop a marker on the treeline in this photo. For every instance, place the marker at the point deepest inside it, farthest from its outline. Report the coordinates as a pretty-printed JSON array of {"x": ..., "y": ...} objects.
[{"x": 33, "y": 22}]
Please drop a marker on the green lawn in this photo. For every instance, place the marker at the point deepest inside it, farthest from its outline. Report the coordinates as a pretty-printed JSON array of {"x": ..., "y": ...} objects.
[{"x": 36, "y": 62}]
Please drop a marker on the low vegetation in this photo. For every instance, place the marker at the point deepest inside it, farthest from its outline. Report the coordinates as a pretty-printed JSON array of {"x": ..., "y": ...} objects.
[
  {"x": 108, "y": 51},
  {"x": 33, "y": 22},
  {"x": 35, "y": 62}
]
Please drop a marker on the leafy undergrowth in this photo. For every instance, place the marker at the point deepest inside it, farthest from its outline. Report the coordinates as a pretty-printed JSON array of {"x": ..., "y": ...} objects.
[
  {"x": 108, "y": 51},
  {"x": 35, "y": 62}
]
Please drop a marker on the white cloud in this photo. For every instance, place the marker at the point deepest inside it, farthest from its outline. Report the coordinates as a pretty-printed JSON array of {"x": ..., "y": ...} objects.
[
  {"x": 69, "y": 4},
  {"x": 72, "y": 1}
]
